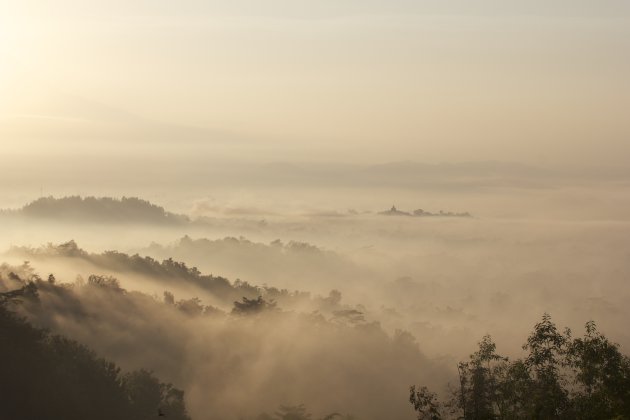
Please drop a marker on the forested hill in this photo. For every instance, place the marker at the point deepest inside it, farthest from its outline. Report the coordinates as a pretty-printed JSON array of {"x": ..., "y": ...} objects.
[
  {"x": 99, "y": 210},
  {"x": 43, "y": 375},
  {"x": 168, "y": 271},
  {"x": 215, "y": 355}
]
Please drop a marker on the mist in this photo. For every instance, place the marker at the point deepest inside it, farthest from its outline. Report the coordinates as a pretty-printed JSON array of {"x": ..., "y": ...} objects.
[
  {"x": 316, "y": 211},
  {"x": 419, "y": 291}
]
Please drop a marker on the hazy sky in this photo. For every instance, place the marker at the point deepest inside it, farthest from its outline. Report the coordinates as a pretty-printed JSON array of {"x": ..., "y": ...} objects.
[{"x": 542, "y": 81}]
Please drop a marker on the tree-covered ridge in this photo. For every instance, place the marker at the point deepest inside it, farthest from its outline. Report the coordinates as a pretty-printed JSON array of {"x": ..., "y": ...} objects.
[
  {"x": 172, "y": 273},
  {"x": 291, "y": 264},
  {"x": 561, "y": 377},
  {"x": 216, "y": 356},
  {"x": 165, "y": 270},
  {"x": 47, "y": 376},
  {"x": 100, "y": 210}
]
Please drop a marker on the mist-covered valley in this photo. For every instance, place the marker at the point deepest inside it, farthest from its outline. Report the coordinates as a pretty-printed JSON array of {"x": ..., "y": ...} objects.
[
  {"x": 314, "y": 210},
  {"x": 340, "y": 311}
]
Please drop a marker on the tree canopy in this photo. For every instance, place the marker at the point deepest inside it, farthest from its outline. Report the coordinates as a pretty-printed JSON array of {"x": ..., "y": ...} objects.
[
  {"x": 560, "y": 377},
  {"x": 48, "y": 376}
]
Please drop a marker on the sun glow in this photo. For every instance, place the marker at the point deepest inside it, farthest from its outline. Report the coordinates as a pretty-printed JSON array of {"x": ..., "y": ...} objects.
[{"x": 9, "y": 61}]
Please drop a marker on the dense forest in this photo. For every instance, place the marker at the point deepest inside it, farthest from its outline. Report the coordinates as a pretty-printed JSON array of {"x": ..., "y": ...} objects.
[
  {"x": 173, "y": 273},
  {"x": 46, "y": 376}
]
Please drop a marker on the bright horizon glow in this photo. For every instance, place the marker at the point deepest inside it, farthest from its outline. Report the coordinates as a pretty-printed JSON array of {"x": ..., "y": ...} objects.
[{"x": 405, "y": 80}]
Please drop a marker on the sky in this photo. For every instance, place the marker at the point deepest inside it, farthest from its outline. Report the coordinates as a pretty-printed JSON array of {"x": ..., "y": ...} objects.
[{"x": 367, "y": 81}]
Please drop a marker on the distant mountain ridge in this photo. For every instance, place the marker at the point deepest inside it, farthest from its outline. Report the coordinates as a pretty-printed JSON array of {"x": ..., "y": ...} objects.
[
  {"x": 99, "y": 209},
  {"x": 422, "y": 213}
]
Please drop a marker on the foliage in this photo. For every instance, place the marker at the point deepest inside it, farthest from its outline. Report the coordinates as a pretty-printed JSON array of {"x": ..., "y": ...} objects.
[
  {"x": 559, "y": 378},
  {"x": 29, "y": 290},
  {"x": 46, "y": 376},
  {"x": 425, "y": 403},
  {"x": 252, "y": 306},
  {"x": 106, "y": 282},
  {"x": 166, "y": 270}
]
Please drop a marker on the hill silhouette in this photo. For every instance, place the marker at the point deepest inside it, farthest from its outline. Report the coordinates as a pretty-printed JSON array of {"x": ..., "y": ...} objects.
[
  {"x": 99, "y": 210},
  {"x": 175, "y": 273},
  {"x": 49, "y": 376},
  {"x": 284, "y": 264},
  {"x": 167, "y": 271}
]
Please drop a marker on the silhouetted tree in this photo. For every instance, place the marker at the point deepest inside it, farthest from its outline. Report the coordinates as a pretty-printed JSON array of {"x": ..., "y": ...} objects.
[
  {"x": 425, "y": 403},
  {"x": 478, "y": 381},
  {"x": 169, "y": 298},
  {"x": 547, "y": 348},
  {"x": 149, "y": 396},
  {"x": 191, "y": 307},
  {"x": 106, "y": 282},
  {"x": 602, "y": 374},
  {"x": 252, "y": 306},
  {"x": 560, "y": 378}
]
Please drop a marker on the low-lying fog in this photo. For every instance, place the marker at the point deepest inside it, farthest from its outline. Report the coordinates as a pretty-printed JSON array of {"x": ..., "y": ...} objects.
[{"x": 374, "y": 302}]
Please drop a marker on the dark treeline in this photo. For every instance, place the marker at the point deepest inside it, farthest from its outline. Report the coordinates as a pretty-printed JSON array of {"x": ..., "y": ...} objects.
[
  {"x": 561, "y": 377},
  {"x": 165, "y": 270},
  {"x": 217, "y": 356},
  {"x": 45, "y": 376},
  {"x": 177, "y": 273},
  {"x": 99, "y": 210}
]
